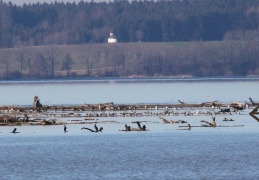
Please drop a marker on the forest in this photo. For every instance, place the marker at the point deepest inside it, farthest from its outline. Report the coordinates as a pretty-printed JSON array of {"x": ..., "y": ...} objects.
[
  {"x": 146, "y": 21},
  {"x": 177, "y": 38}
]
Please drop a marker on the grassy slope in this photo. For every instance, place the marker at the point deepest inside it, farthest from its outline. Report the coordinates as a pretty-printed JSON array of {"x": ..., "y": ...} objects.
[
  {"x": 78, "y": 52},
  {"x": 96, "y": 53}
]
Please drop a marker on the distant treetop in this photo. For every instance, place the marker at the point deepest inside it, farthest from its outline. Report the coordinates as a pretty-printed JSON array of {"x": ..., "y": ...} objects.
[{"x": 131, "y": 21}]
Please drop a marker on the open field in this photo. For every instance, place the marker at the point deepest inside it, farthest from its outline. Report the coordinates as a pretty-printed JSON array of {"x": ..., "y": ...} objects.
[{"x": 193, "y": 59}]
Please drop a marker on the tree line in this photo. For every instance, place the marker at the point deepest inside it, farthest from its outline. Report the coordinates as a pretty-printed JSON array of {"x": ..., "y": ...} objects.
[
  {"x": 62, "y": 23},
  {"x": 182, "y": 59}
]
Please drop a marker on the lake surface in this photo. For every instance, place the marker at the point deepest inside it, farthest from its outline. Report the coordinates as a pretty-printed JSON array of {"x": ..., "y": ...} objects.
[
  {"x": 128, "y": 91},
  {"x": 163, "y": 152}
]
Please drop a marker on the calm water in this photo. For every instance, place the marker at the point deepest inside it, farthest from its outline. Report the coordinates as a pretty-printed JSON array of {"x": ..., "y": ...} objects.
[
  {"x": 163, "y": 152},
  {"x": 159, "y": 91},
  {"x": 143, "y": 155}
]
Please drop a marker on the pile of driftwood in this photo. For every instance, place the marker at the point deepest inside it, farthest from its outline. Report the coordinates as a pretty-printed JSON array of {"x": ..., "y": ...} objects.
[
  {"x": 139, "y": 128},
  {"x": 172, "y": 121},
  {"x": 211, "y": 124},
  {"x": 110, "y": 106},
  {"x": 9, "y": 119},
  {"x": 39, "y": 114}
]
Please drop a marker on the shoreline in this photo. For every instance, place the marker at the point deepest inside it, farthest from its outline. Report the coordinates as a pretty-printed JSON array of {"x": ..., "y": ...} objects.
[{"x": 128, "y": 79}]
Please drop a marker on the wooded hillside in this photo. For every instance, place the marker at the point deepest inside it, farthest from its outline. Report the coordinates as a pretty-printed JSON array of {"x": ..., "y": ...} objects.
[
  {"x": 197, "y": 38},
  {"x": 146, "y": 21}
]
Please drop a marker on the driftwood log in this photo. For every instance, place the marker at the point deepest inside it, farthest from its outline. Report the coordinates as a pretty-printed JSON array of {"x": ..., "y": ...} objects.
[
  {"x": 212, "y": 123},
  {"x": 172, "y": 121}
]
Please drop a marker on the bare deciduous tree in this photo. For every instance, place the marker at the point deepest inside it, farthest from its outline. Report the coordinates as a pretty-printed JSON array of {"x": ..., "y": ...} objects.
[
  {"x": 6, "y": 65},
  {"x": 20, "y": 59},
  {"x": 52, "y": 59},
  {"x": 67, "y": 63},
  {"x": 41, "y": 66},
  {"x": 28, "y": 60}
]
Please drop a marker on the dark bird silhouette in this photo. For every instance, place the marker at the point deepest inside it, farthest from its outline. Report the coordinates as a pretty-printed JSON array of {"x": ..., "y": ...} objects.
[
  {"x": 14, "y": 131},
  {"x": 138, "y": 123},
  {"x": 96, "y": 129},
  {"x": 127, "y": 128},
  {"x": 189, "y": 127},
  {"x": 143, "y": 128},
  {"x": 65, "y": 128},
  {"x": 101, "y": 128}
]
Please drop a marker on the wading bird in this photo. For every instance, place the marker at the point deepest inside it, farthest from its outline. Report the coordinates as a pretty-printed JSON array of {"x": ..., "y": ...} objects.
[{"x": 65, "y": 128}]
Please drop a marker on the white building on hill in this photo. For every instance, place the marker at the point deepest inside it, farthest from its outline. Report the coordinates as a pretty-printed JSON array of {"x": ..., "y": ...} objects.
[{"x": 112, "y": 38}]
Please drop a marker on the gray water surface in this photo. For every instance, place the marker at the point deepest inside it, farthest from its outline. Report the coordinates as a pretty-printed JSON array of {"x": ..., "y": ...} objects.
[
  {"x": 163, "y": 152},
  {"x": 173, "y": 155},
  {"x": 157, "y": 91}
]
